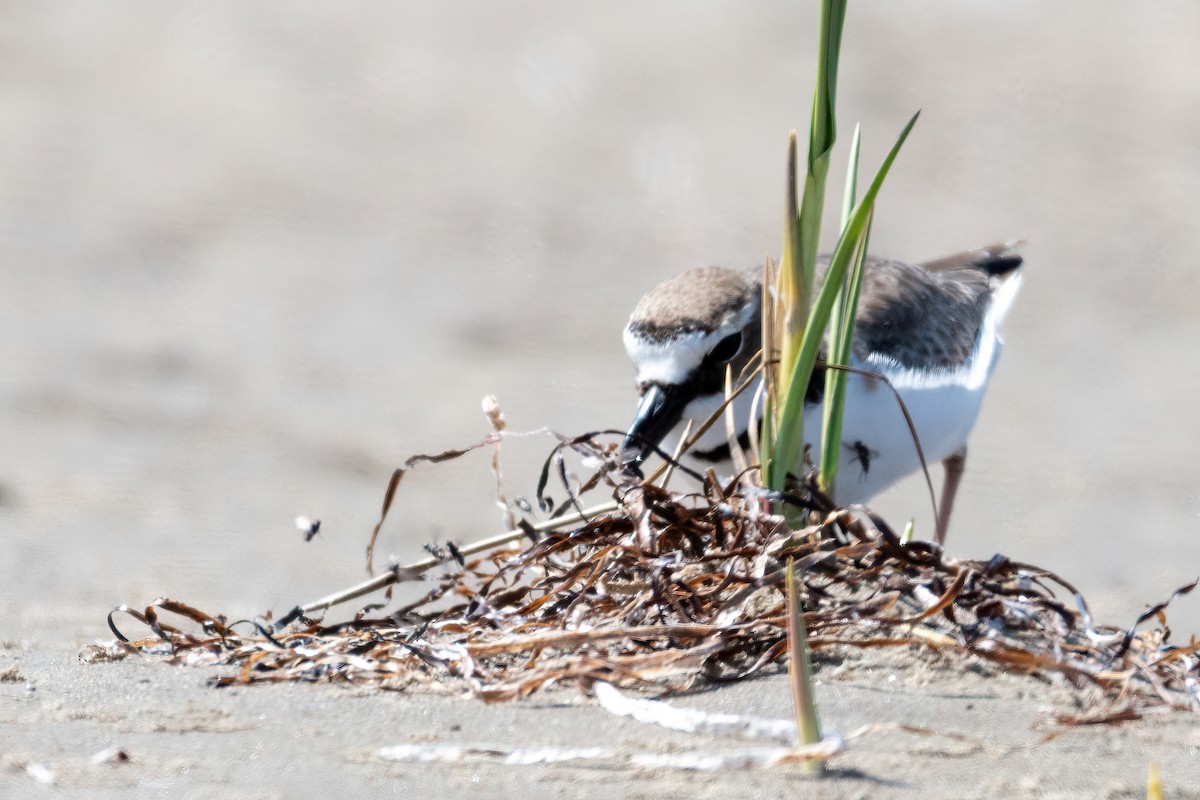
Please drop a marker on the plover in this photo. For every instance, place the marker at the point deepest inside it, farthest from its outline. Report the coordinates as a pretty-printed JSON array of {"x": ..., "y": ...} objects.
[{"x": 931, "y": 329}]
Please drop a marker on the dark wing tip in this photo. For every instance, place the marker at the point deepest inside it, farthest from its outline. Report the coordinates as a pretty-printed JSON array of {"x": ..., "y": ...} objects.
[
  {"x": 995, "y": 260},
  {"x": 1000, "y": 265}
]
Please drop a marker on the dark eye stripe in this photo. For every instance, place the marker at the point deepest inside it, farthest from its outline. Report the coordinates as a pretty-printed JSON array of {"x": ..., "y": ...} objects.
[{"x": 727, "y": 348}]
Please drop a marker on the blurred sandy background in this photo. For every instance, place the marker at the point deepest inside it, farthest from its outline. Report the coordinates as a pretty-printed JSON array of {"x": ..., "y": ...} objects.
[{"x": 252, "y": 256}]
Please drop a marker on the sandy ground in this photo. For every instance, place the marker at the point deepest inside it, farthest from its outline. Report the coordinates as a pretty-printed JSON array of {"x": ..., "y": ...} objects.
[{"x": 252, "y": 257}]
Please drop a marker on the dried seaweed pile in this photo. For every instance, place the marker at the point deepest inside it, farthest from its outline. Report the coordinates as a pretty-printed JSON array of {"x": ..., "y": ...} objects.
[{"x": 670, "y": 588}]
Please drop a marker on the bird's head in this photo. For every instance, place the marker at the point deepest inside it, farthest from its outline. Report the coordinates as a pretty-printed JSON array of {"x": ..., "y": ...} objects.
[{"x": 682, "y": 337}]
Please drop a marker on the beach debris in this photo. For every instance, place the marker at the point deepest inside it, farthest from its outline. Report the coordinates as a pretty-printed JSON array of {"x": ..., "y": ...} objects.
[
  {"x": 495, "y": 417},
  {"x": 664, "y": 714},
  {"x": 110, "y": 755},
  {"x": 41, "y": 772},
  {"x": 697, "y": 760},
  {"x": 687, "y": 760},
  {"x": 657, "y": 712},
  {"x": 106, "y": 653},
  {"x": 309, "y": 527},
  {"x": 659, "y": 590}
]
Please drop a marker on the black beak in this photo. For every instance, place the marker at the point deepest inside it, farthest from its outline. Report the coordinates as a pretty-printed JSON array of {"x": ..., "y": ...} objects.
[{"x": 660, "y": 410}]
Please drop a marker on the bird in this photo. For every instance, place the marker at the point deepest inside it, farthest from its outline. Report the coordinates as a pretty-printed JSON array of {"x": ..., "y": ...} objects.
[{"x": 931, "y": 329}]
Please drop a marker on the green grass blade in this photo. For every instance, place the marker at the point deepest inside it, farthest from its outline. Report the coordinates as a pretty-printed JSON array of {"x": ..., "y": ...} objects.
[
  {"x": 804, "y": 704},
  {"x": 849, "y": 198},
  {"x": 822, "y": 131},
  {"x": 804, "y": 227},
  {"x": 795, "y": 292},
  {"x": 790, "y": 427},
  {"x": 841, "y": 330},
  {"x": 840, "y": 348}
]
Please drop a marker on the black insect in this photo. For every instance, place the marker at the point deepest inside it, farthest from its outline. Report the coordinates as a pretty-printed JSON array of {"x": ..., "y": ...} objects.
[
  {"x": 456, "y": 554},
  {"x": 529, "y": 530},
  {"x": 863, "y": 455}
]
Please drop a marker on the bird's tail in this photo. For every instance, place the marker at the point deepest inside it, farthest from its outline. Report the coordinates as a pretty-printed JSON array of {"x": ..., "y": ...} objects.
[{"x": 997, "y": 260}]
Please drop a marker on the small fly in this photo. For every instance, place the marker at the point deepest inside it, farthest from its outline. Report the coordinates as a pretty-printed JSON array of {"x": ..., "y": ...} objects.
[{"x": 863, "y": 455}]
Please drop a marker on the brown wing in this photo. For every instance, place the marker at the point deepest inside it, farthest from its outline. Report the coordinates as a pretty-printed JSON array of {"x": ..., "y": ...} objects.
[{"x": 928, "y": 316}]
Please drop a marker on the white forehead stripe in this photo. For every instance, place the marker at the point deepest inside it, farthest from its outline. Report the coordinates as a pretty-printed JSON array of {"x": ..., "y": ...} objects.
[
  {"x": 675, "y": 360},
  {"x": 669, "y": 362}
]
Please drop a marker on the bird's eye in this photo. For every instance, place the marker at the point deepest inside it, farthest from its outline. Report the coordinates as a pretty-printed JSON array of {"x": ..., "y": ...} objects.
[{"x": 727, "y": 348}]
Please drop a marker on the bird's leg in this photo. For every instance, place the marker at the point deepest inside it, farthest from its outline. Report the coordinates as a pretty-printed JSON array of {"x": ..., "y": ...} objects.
[{"x": 954, "y": 464}]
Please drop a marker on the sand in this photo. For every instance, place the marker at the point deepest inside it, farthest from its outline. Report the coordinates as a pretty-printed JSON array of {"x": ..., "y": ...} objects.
[{"x": 252, "y": 258}]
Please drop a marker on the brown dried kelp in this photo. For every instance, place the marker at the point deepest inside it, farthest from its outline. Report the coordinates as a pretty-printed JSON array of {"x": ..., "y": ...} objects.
[{"x": 671, "y": 588}]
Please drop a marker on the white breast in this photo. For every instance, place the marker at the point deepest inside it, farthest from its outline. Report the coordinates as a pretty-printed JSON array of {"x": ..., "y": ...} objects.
[{"x": 877, "y": 445}]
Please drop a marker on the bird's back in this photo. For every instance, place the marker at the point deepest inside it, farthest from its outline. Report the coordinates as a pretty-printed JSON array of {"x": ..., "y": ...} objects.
[{"x": 929, "y": 317}]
